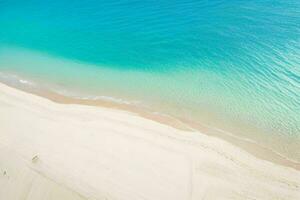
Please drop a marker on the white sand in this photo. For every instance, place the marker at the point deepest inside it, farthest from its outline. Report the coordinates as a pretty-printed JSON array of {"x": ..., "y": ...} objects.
[{"x": 62, "y": 152}]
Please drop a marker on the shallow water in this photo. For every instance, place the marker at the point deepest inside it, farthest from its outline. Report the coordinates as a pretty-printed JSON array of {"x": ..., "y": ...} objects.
[{"x": 233, "y": 65}]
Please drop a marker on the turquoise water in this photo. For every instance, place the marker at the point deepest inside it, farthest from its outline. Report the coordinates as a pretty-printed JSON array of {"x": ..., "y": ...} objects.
[{"x": 233, "y": 65}]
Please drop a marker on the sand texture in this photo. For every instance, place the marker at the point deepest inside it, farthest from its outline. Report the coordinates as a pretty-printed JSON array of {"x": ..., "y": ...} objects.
[{"x": 63, "y": 152}]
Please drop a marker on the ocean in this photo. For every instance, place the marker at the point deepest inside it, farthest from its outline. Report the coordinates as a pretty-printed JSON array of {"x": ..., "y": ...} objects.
[{"x": 230, "y": 65}]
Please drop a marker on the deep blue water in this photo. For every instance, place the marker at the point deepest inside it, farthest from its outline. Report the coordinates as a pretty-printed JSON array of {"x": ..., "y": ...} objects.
[{"x": 224, "y": 63}]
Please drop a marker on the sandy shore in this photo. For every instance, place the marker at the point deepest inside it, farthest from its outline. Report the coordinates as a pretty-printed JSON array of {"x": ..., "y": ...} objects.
[{"x": 58, "y": 151}]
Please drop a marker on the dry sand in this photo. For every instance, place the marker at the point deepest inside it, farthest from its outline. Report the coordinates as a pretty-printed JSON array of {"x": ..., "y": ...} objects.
[{"x": 63, "y": 152}]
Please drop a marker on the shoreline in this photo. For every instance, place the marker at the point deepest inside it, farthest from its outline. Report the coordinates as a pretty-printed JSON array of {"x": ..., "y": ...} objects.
[
  {"x": 72, "y": 151},
  {"x": 250, "y": 146}
]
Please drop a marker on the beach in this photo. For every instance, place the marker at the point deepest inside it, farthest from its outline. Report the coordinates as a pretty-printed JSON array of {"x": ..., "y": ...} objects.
[
  {"x": 211, "y": 65},
  {"x": 68, "y": 151},
  {"x": 149, "y": 100}
]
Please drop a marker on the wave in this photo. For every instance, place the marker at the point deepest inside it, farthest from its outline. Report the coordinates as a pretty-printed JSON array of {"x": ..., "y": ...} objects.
[
  {"x": 20, "y": 82},
  {"x": 17, "y": 81}
]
